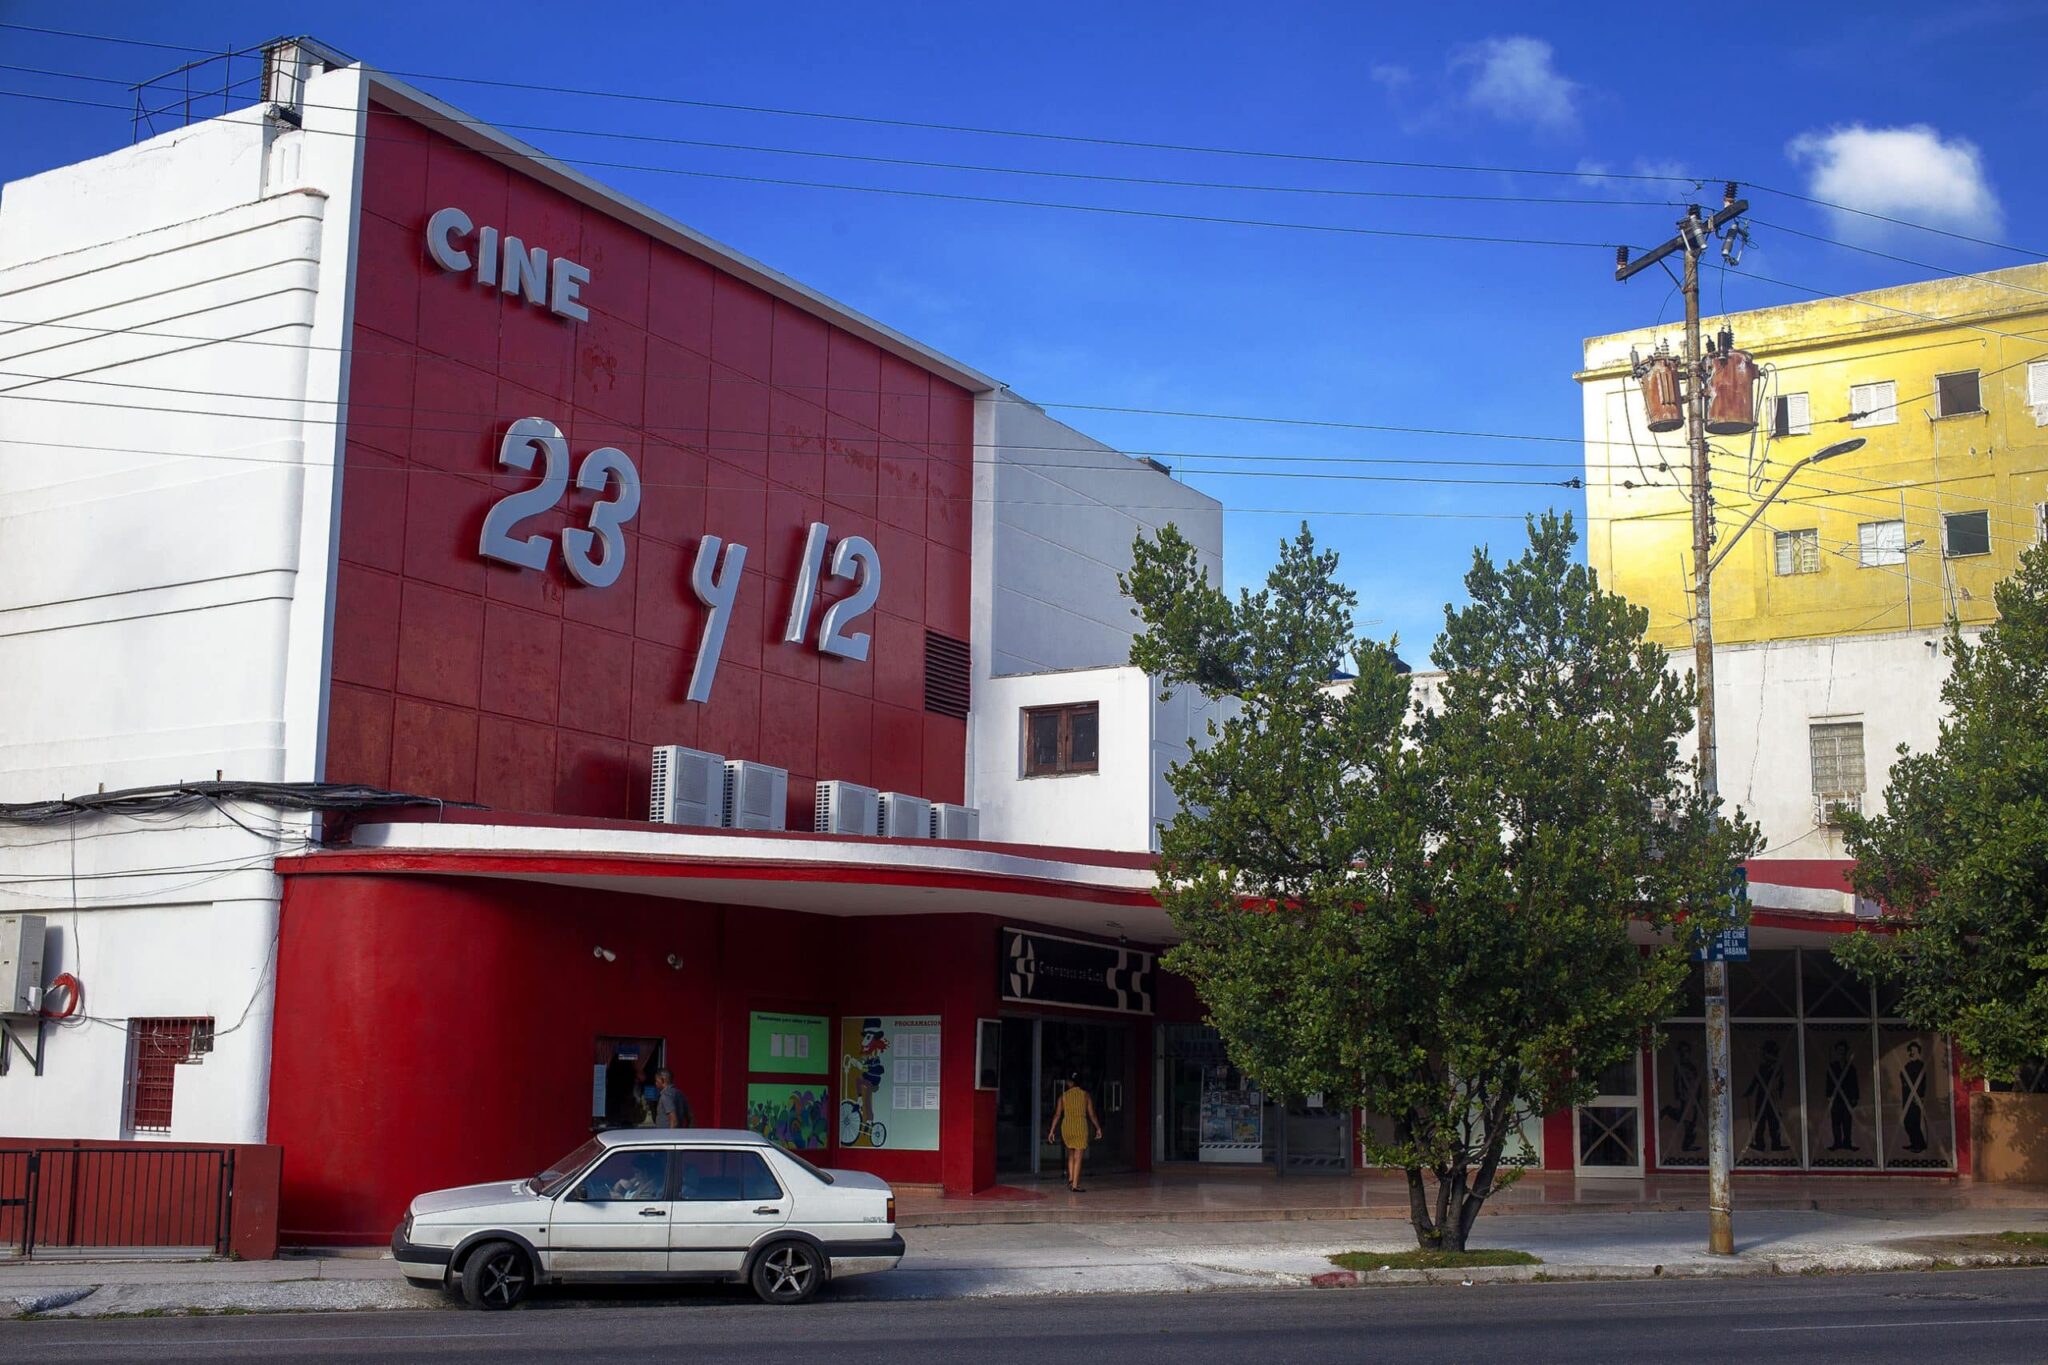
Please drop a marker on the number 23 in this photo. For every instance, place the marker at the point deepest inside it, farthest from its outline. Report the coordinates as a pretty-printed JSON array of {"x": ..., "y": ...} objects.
[{"x": 601, "y": 467}]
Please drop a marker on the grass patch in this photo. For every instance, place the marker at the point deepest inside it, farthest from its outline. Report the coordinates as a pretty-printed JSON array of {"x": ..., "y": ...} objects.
[
  {"x": 1429, "y": 1260},
  {"x": 2036, "y": 1240}
]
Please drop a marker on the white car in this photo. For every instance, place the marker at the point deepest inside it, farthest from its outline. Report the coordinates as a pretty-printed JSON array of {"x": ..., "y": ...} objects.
[{"x": 654, "y": 1204}]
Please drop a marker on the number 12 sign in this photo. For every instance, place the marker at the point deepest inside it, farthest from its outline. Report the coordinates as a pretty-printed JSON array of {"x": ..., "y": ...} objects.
[{"x": 596, "y": 555}]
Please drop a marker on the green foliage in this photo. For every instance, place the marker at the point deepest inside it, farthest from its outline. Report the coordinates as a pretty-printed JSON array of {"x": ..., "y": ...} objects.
[
  {"x": 1426, "y": 913},
  {"x": 1959, "y": 859}
]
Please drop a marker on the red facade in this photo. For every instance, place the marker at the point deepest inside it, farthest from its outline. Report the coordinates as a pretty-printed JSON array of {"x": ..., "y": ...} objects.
[{"x": 465, "y": 678}]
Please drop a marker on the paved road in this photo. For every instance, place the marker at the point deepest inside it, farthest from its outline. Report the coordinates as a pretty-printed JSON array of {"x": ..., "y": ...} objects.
[{"x": 1958, "y": 1316}]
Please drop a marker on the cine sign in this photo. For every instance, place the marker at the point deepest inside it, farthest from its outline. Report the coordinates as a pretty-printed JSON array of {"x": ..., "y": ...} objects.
[{"x": 596, "y": 554}]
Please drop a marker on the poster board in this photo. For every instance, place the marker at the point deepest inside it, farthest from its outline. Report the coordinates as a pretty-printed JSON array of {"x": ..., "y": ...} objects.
[
  {"x": 788, "y": 1044},
  {"x": 889, "y": 1082},
  {"x": 793, "y": 1114}
]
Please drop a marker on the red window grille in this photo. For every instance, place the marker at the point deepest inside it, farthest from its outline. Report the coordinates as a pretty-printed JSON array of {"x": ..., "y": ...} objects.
[{"x": 156, "y": 1047}]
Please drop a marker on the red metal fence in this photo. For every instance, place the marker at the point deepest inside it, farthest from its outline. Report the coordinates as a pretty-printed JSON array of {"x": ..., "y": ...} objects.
[{"x": 86, "y": 1198}]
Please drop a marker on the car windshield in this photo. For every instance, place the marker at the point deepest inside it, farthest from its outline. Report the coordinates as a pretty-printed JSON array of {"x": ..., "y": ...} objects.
[
  {"x": 824, "y": 1177},
  {"x": 556, "y": 1178}
]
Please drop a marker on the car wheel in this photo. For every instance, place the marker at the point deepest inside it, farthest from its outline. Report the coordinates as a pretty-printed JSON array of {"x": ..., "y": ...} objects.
[
  {"x": 496, "y": 1275},
  {"x": 788, "y": 1272}
]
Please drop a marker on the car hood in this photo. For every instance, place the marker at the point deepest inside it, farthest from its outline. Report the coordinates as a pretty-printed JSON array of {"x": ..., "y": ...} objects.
[
  {"x": 471, "y": 1196},
  {"x": 859, "y": 1180}
]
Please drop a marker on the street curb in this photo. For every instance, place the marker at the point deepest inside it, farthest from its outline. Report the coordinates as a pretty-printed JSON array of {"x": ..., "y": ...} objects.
[
  {"x": 1737, "y": 1269},
  {"x": 51, "y": 1299}
]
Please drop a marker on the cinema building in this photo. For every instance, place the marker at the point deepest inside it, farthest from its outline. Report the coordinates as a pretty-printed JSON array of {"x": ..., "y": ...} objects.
[{"x": 582, "y": 652}]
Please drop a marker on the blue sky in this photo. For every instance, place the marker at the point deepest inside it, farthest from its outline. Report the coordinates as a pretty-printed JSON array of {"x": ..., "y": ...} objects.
[{"x": 1919, "y": 112}]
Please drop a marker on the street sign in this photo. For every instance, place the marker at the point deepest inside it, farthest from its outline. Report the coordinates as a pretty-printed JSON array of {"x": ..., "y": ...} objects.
[{"x": 1731, "y": 945}]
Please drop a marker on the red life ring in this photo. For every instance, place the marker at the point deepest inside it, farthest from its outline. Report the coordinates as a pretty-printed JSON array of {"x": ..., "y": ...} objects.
[{"x": 73, "y": 992}]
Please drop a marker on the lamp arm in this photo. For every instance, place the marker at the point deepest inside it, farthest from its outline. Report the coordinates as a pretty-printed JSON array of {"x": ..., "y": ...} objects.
[{"x": 1756, "y": 512}]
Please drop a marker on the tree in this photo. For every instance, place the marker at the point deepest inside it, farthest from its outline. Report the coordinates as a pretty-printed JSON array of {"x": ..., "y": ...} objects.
[
  {"x": 1428, "y": 915},
  {"x": 1959, "y": 859}
]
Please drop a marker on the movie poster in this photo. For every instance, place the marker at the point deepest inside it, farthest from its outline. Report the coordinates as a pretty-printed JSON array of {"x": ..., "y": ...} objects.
[{"x": 889, "y": 1082}]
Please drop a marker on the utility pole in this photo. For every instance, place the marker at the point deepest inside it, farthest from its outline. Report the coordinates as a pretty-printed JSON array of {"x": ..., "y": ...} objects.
[{"x": 1695, "y": 232}]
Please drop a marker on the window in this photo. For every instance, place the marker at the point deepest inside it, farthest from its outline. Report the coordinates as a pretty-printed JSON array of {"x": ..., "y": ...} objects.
[
  {"x": 1837, "y": 748},
  {"x": 634, "y": 1174},
  {"x": 1793, "y": 416},
  {"x": 1798, "y": 552},
  {"x": 1060, "y": 739},
  {"x": 2037, "y": 390},
  {"x": 1956, "y": 394},
  {"x": 2041, "y": 523},
  {"x": 1874, "y": 405},
  {"x": 1880, "y": 542},
  {"x": 710, "y": 1176},
  {"x": 1966, "y": 533},
  {"x": 156, "y": 1049},
  {"x": 947, "y": 676}
]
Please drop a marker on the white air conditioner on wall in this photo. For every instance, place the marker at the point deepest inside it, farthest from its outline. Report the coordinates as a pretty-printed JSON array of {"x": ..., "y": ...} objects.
[
  {"x": 1828, "y": 807},
  {"x": 845, "y": 808},
  {"x": 955, "y": 822},
  {"x": 904, "y": 816},
  {"x": 686, "y": 787},
  {"x": 756, "y": 796}
]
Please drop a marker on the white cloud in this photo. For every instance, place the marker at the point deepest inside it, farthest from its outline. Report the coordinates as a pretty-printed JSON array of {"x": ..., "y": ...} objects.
[
  {"x": 1911, "y": 172},
  {"x": 1391, "y": 76},
  {"x": 1515, "y": 80}
]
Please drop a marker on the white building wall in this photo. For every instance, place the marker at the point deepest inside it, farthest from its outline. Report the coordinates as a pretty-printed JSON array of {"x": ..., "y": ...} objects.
[
  {"x": 1769, "y": 695},
  {"x": 170, "y": 436},
  {"x": 1055, "y": 516}
]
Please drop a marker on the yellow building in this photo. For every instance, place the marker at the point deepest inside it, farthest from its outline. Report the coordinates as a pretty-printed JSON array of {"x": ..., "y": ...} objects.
[{"x": 1947, "y": 382}]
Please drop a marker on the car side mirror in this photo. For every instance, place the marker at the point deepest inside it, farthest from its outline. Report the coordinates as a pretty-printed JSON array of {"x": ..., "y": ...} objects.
[{"x": 576, "y": 1194}]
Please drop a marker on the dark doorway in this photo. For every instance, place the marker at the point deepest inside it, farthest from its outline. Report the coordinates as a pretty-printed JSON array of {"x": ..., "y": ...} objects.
[{"x": 1038, "y": 1056}]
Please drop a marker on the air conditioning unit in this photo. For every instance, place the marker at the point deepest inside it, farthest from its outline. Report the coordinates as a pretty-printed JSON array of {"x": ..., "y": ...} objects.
[
  {"x": 845, "y": 808},
  {"x": 1828, "y": 807},
  {"x": 905, "y": 816},
  {"x": 21, "y": 964},
  {"x": 686, "y": 787},
  {"x": 955, "y": 822},
  {"x": 756, "y": 796}
]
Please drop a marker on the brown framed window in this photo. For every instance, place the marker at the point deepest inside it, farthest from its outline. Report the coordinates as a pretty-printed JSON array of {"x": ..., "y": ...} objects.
[{"x": 1061, "y": 739}]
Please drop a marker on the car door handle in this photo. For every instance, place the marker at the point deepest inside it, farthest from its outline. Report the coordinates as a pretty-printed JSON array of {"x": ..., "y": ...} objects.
[
  {"x": 654, "y": 1213},
  {"x": 767, "y": 1209}
]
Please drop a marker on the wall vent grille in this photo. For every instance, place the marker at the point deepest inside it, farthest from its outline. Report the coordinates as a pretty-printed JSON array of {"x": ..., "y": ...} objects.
[{"x": 947, "y": 688}]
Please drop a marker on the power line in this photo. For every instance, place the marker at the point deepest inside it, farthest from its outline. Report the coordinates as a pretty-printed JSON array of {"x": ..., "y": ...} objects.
[
  {"x": 462, "y": 121},
  {"x": 1081, "y": 138},
  {"x": 1115, "y": 211},
  {"x": 920, "y": 125}
]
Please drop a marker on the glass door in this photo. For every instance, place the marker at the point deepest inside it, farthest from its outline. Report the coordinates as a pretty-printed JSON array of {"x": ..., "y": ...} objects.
[
  {"x": 1609, "y": 1126},
  {"x": 1101, "y": 1054}
]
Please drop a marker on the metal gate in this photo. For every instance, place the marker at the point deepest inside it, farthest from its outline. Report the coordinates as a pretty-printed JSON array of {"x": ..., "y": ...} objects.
[{"x": 77, "y": 1200}]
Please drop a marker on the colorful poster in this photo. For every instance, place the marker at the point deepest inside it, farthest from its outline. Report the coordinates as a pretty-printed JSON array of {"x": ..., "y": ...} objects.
[
  {"x": 788, "y": 1044},
  {"x": 889, "y": 1082},
  {"x": 793, "y": 1114}
]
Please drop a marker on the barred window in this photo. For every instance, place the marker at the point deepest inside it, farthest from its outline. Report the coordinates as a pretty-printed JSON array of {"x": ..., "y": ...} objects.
[
  {"x": 1837, "y": 749},
  {"x": 156, "y": 1048},
  {"x": 1798, "y": 552}
]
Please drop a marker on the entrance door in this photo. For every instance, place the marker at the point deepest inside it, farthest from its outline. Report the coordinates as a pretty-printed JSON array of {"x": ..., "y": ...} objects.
[
  {"x": 1101, "y": 1053},
  {"x": 1610, "y": 1134},
  {"x": 1037, "y": 1057}
]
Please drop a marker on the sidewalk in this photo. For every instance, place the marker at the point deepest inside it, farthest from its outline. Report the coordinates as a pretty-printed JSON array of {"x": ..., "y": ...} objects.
[
  {"x": 1210, "y": 1194},
  {"x": 1097, "y": 1257}
]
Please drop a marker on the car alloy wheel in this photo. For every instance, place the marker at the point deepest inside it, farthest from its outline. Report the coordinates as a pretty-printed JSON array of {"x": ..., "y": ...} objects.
[
  {"x": 787, "y": 1273},
  {"x": 496, "y": 1276}
]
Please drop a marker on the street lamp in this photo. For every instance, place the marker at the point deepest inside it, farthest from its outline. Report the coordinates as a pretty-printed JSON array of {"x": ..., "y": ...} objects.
[{"x": 1824, "y": 453}]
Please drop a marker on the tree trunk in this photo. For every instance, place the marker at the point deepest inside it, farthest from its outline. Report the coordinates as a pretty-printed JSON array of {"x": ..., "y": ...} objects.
[{"x": 1418, "y": 1210}]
